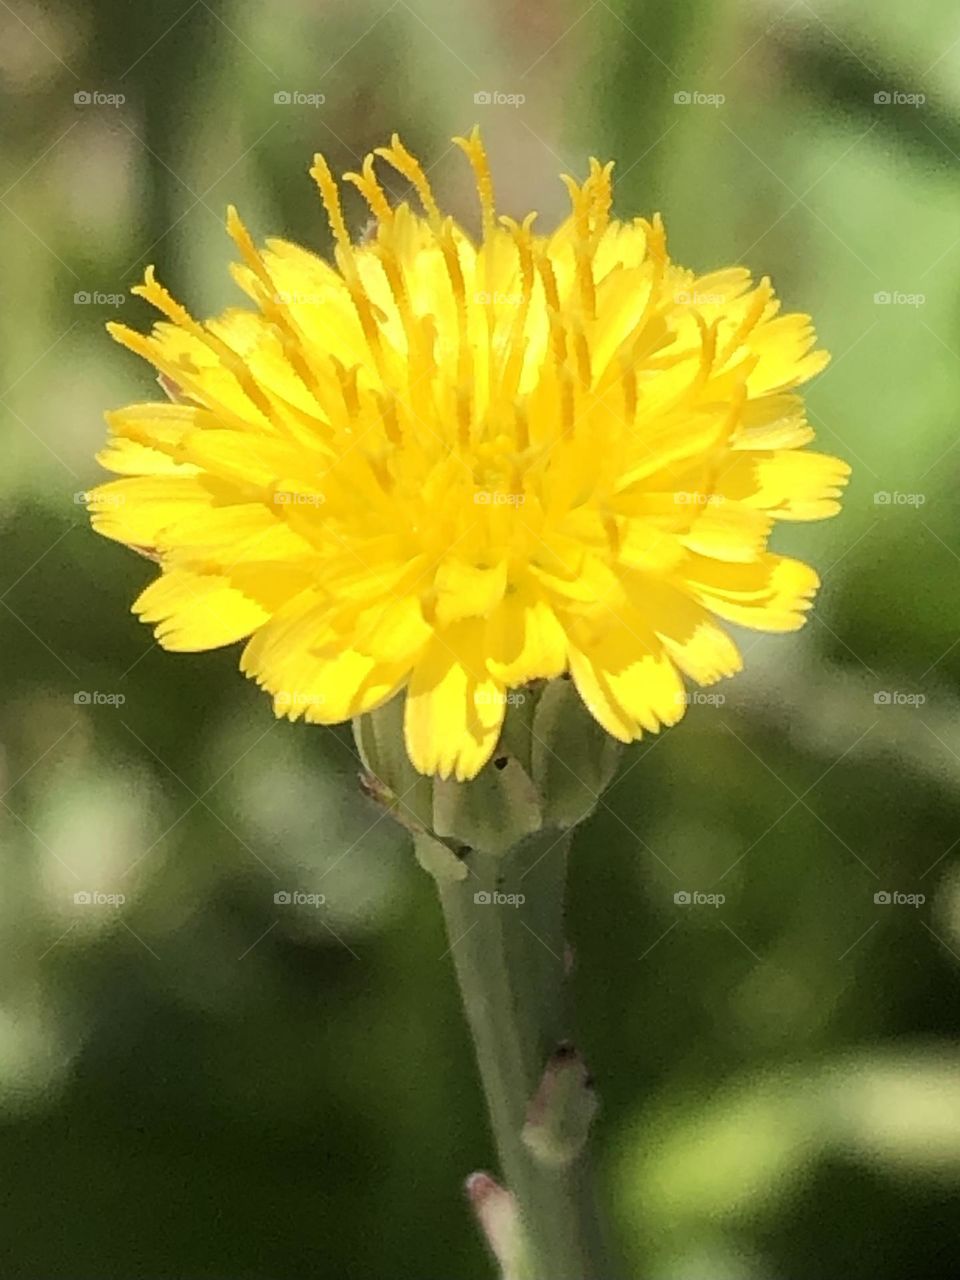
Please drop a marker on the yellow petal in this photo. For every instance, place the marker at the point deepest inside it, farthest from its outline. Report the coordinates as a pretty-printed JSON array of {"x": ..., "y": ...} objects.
[
  {"x": 772, "y": 422},
  {"x": 323, "y": 686},
  {"x": 525, "y": 639},
  {"x": 130, "y": 458},
  {"x": 454, "y": 708},
  {"x": 468, "y": 590},
  {"x": 727, "y": 530},
  {"x": 194, "y": 367},
  {"x": 251, "y": 461},
  {"x": 194, "y": 611},
  {"x": 694, "y": 640},
  {"x": 783, "y": 345},
  {"x": 396, "y": 630},
  {"x": 137, "y": 510},
  {"x": 241, "y": 533},
  {"x": 772, "y": 595},
  {"x": 791, "y": 484},
  {"x": 157, "y": 428},
  {"x": 628, "y": 682}
]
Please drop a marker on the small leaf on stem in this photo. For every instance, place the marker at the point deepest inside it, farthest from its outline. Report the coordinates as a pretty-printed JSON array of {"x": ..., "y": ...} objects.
[
  {"x": 562, "y": 1109},
  {"x": 499, "y": 1219}
]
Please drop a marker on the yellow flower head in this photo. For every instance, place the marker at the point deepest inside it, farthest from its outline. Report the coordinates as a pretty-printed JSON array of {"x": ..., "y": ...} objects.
[{"x": 454, "y": 467}]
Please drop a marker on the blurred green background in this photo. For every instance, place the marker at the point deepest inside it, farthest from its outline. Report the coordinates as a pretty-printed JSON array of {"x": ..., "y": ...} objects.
[{"x": 202, "y": 1083}]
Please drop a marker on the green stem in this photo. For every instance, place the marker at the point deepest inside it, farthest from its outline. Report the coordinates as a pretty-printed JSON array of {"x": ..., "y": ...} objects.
[{"x": 510, "y": 964}]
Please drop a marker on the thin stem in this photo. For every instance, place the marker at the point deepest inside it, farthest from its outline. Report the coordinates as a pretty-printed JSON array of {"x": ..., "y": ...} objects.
[{"x": 509, "y": 959}]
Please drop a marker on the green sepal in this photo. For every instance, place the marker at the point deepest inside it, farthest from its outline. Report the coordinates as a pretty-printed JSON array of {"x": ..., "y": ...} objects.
[
  {"x": 493, "y": 812},
  {"x": 437, "y": 858},
  {"x": 551, "y": 765},
  {"x": 573, "y": 759},
  {"x": 516, "y": 736},
  {"x": 404, "y": 790}
]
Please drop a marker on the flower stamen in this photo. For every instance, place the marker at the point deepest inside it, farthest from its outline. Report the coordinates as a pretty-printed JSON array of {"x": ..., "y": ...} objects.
[
  {"x": 369, "y": 187},
  {"x": 409, "y": 167},
  {"x": 330, "y": 195},
  {"x": 474, "y": 150}
]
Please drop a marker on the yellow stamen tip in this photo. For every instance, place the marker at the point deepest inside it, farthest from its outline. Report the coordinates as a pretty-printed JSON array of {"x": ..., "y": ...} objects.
[{"x": 476, "y": 153}]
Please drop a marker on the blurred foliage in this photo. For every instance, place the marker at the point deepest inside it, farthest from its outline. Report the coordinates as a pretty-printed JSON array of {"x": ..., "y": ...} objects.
[{"x": 203, "y": 1082}]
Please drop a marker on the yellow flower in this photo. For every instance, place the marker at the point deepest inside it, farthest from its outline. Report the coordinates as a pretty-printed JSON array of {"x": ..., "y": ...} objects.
[{"x": 455, "y": 466}]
